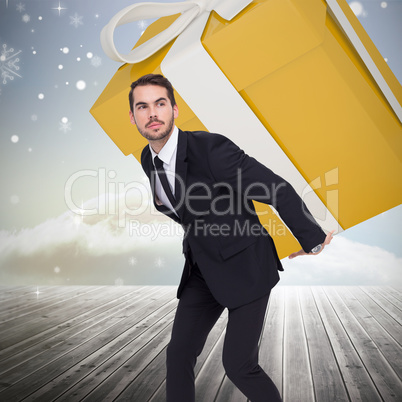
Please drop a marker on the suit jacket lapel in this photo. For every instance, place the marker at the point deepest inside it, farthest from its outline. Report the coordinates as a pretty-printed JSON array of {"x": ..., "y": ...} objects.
[
  {"x": 150, "y": 171},
  {"x": 181, "y": 172},
  {"x": 162, "y": 208}
]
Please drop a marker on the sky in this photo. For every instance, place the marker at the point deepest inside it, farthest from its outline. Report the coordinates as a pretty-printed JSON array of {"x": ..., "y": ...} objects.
[{"x": 48, "y": 140}]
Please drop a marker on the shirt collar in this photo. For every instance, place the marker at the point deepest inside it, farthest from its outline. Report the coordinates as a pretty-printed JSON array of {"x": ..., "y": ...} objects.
[{"x": 166, "y": 153}]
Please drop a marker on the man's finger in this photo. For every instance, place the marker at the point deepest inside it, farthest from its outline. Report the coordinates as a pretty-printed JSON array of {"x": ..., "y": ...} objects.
[
  {"x": 297, "y": 253},
  {"x": 329, "y": 237}
]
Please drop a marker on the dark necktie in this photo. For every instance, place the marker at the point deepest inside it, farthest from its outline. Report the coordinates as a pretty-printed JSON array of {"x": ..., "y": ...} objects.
[{"x": 163, "y": 178}]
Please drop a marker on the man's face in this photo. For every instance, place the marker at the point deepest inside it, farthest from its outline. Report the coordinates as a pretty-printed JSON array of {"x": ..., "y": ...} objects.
[{"x": 153, "y": 113}]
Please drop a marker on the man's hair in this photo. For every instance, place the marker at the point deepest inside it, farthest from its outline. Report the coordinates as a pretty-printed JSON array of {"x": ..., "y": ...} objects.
[{"x": 152, "y": 79}]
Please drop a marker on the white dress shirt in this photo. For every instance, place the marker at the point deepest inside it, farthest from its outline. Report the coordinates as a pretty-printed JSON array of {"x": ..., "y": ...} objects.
[{"x": 168, "y": 156}]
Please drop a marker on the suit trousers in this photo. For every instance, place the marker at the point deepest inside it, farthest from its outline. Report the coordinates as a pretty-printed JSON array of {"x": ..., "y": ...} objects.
[{"x": 196, "y": 314}]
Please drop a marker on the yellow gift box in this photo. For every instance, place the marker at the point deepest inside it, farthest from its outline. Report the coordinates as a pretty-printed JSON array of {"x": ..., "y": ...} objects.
[{"x": 320, "y": 89}]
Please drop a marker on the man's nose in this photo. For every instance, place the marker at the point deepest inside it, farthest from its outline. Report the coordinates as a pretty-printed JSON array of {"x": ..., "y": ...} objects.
[{"x": 152, "y": 113}]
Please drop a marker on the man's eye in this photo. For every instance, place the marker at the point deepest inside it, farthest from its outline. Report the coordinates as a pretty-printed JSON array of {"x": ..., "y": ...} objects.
[
  {"x": 161, "y": 104},
  {"x": 141, "y": 107}
]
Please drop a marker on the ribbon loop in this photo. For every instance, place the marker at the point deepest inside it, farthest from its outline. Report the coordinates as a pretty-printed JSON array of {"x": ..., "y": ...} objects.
[{"x": 189, "y": 10}]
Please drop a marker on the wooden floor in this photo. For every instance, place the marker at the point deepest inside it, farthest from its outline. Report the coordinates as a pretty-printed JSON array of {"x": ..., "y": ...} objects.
[{"x": 320, "y": 344}]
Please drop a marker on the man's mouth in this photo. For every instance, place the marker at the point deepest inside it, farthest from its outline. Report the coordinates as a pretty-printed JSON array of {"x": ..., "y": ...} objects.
[{"x": 154, "y": 124}]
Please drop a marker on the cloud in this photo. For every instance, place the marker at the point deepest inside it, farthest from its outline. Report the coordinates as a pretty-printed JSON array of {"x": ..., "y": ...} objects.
[
  {"x": 127, "y": 229},
  {"x": 344, "y": 262},
  {"x": 98, "y": 249}
]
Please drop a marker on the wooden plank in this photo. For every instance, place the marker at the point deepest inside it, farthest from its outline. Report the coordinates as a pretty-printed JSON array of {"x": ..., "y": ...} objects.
[
  {"x": 388, "y": 347},
  {"x": 116, "y": 306},
  {"x": 390, "y": 296},
  {"x": 53, "y": 297},
  {"x": 8, "y": 293},
  {"x": 298, "y": 382},
  {"x": 45, "y": 367},
  {"x": 76, "y": 382},
  {"x": 10, "y": 290},
  {"x": 359, "y": 384},
  {"x": 328, "y": 383},
  {"x": 150, "y": 379},
  {"x": 53, "y": 316},
  {"x": 384, "y": 377},
  {"x": 156, "y": 339},
  {"x": 67, "y": 327},
  {"x": 21, "y": 324},
  {"x": 383, "y": 302},
  {"x": 110, "y": 345},
  {"x": 395, "y": 292},
  {"x": 393, "y": 327}
]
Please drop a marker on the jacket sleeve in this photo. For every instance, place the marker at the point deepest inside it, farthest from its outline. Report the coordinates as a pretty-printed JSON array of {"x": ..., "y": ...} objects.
[{"x": 229, "y": 164}]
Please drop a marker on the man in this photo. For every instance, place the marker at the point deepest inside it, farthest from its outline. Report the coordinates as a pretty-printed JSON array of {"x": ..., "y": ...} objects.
[{"x": 206, "y": 183}]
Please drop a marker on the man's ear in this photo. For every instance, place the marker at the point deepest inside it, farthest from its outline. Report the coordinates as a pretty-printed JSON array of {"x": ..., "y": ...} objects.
[
  {"x": 132, "y": 118},
  {"x": 175, "y": 111}
]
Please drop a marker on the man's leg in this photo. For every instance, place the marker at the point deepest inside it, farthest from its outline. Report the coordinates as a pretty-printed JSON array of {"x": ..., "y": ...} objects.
[
  {"x": 240, "y": 352},
  {"x": 196, "y": 314}
]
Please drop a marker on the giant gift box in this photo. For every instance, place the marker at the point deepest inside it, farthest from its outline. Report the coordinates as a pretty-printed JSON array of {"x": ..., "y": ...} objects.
[{"x": 298, "y": 84}]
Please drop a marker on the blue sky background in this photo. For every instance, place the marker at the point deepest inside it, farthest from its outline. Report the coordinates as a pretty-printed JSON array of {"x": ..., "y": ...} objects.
[{"x": 47, "y": 135}]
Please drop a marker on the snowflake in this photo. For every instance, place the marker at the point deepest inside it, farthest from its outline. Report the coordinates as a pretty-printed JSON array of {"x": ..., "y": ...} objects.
[
  {"x": 26, "y": 18},
  {"x": 96, "y": 61},
  {"x": 20, "y": 7},
  {"x": 59, "y": 8},
  {"x": 37, "y": 292},
  {"x": 132, "y": 261},
  {"x": 65, "y": 126},
  {"x": 119, "y": 282},
  {"x": 142, "y": 24},
  {"x": 8, "y": 64},
  {"x": 76, "y": 20},
  {"x": 159, "y": 262}
]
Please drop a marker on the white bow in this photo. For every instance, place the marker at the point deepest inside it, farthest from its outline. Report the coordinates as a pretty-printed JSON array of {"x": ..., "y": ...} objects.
[{"x": 189, "y": 10}]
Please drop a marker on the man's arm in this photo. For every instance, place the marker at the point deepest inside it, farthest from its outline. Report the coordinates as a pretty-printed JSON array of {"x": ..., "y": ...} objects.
[
  {"x": 326, "y": 242},
  {"x": 228, "y": 163}
]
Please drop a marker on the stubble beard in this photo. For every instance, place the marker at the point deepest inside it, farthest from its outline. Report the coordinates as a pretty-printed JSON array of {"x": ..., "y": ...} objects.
[{"x": 157, "y": 136}]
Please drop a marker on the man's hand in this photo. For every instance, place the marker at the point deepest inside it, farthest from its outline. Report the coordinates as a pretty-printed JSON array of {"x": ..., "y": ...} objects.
[{"x": 302, "y": 252}]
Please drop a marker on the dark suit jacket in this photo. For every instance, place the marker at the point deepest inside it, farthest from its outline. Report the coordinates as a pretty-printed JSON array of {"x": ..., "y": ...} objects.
[{"x": 215, "y": 185}]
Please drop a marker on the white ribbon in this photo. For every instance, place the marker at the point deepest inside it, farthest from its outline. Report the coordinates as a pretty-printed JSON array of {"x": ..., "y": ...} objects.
[
  {"x": 365, "y": 56},
  {"x": 189, "y": 10}
]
